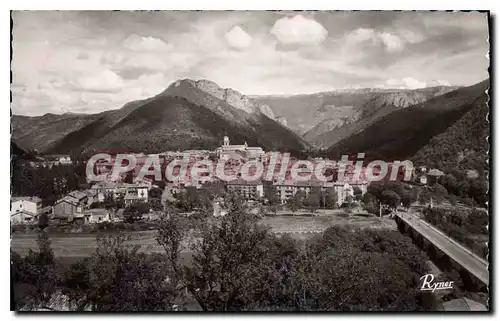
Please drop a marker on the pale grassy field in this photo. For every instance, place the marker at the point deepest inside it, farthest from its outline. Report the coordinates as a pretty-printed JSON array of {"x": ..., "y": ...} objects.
[
  {"x": 319, "y": 223},
  {"x": 83, "y": 245}
]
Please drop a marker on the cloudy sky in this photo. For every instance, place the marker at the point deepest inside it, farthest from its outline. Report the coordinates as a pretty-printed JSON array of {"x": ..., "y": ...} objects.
[{"x": 87, "y": 62}]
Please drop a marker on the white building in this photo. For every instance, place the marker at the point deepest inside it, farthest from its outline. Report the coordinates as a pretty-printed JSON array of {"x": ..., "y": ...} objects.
[
  {"x": 25, "y": 203},
  {"x": 24, "y": 210},
  {"x": 59, "y": 159},
  {"x": 219, "y": 209},
  {"x": 131, "y": 192},
  {"x": 248, "y": 190},
  {"x": 288, "y": 188},
  {"x": 97, "y": 215},
  {"x": 227, "y": 151},
  {"x": 344, "y": 191}
]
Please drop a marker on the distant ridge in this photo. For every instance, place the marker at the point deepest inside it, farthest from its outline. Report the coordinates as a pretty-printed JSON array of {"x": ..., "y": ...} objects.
[
  {"x": 402, "y": 133},
  {"x": 182, "y": 117}
]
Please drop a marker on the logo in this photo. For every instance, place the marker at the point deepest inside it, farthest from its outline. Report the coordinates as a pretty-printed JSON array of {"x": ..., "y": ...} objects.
[{"x": 428, "y": 284}]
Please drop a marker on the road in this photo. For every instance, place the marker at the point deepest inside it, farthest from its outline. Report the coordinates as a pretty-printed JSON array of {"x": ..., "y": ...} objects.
[{"x": 460, "y": 254}]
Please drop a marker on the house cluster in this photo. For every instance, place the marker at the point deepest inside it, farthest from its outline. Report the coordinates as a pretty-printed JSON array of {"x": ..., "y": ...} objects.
[
  {"x": 52, "y": 160},
  {"x": 85, "y": 205},
  {"x": 343, "y": 190},
  {"x": 285, "y": 190},
  {"x": 427, "y": 177},
  {"x": 79, "y": 205},
  {"x": 130, "y": 192},
  {"x": 253, "y": 190}
]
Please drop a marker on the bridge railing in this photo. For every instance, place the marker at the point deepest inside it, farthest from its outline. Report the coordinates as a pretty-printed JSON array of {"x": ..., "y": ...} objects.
[
  {"x": 466, "y": 249},
  {"x": 451, "y": 240}
]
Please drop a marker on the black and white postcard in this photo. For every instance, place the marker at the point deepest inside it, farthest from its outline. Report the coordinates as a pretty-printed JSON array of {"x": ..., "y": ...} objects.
[{"x": 275, "y": 161}]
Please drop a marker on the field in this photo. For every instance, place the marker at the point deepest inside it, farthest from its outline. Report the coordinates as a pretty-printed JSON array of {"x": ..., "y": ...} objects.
[
  {"x": 78, "y": 245},
  {"x": 293, "y": 224}
]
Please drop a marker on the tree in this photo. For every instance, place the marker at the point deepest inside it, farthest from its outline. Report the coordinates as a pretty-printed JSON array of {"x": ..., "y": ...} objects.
[
  {"x": 123, "y": 279},
  {"x": 215, "y": 189},
  {"x": 407, "y": 198},
  {"x": 271, "y": 194},
  {"x": 193, "y": 198},
  {"x": 376, "y": 189},
  {"x": 274, "y": 208},
  {"x": 369, "y": 198},
  {"x": 37, "y": 272},
  {"x": 109, "y": 202},
  {"x": 370, "y": 203},
  {"x": 450, "y": 183},
  {"x": 120, "y": 200},
  {"x": 440, "y": 190},
  {"x": 161, "y": 184},
  {"x": 129, "y": 177},
  {"x": 43, "y": 221},
  {"x": 358, "y": 193},
  {"x": 134, "y": 211},
  {"x": 372, "y": 257},
  {"x": 312, "y": 200},
  {"x": 424, "y": 196},
  {"x": 299, "y": 198},
  {"x": 227, "y": 258},
  {"x": 76, "y": 283},
  {"x": 155, "y": 193},
  {"x": 292, "y": 205},
  {"x": 331, "y": 198},
  {"x": 391, "y": 198}
]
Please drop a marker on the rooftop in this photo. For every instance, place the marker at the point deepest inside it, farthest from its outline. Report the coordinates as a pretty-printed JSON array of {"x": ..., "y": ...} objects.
[
  {"x": 96, "y": 211},
  {"x": 34, "y": 199},
  {"x": 24, "y": 212},
  {"x": 241, "y": 181},
  {"x": 78, "y": 195},
  {"x": 113, "y": 185},
  {"x": 435, "y": 172}
]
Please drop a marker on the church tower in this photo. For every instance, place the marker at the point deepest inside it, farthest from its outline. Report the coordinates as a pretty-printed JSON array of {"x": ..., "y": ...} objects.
[{"x": 226, "y": 141}]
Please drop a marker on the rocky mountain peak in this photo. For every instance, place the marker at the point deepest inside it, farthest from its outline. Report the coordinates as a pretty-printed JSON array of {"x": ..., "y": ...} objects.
[{"x": 229, "y": 95}]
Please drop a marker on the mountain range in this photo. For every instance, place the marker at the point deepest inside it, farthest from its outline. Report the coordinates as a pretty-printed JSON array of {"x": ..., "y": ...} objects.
[
  {"x": 403, "y": 133},
  {"x": 191, "y": 114},
  {"x": 187, "y": 115},
  {"x": 325, "y": 118}
]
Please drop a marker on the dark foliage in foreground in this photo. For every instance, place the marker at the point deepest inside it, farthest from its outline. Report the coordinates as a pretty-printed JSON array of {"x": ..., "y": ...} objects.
[{"x": 238, "y": 265}]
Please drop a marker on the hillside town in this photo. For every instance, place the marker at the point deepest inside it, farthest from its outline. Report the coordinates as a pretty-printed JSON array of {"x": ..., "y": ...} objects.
[
  {"x": 86, "y": 205},
  {"x": 234, "y": 161}
]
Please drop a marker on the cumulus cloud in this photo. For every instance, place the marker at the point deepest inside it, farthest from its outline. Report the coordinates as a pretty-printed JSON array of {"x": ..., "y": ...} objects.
[
  {"x": 238, "y": 38},
  {"x": 139, "y": 43},
  {"x": 43, "y": 99},
  {"x": 103, "y": 81},
  {"x": 392, "y": 42},
  {"x": 298, "y": 30},
  {"x": 88, "y": 62},
  {"x": 362, "y": 36}
]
